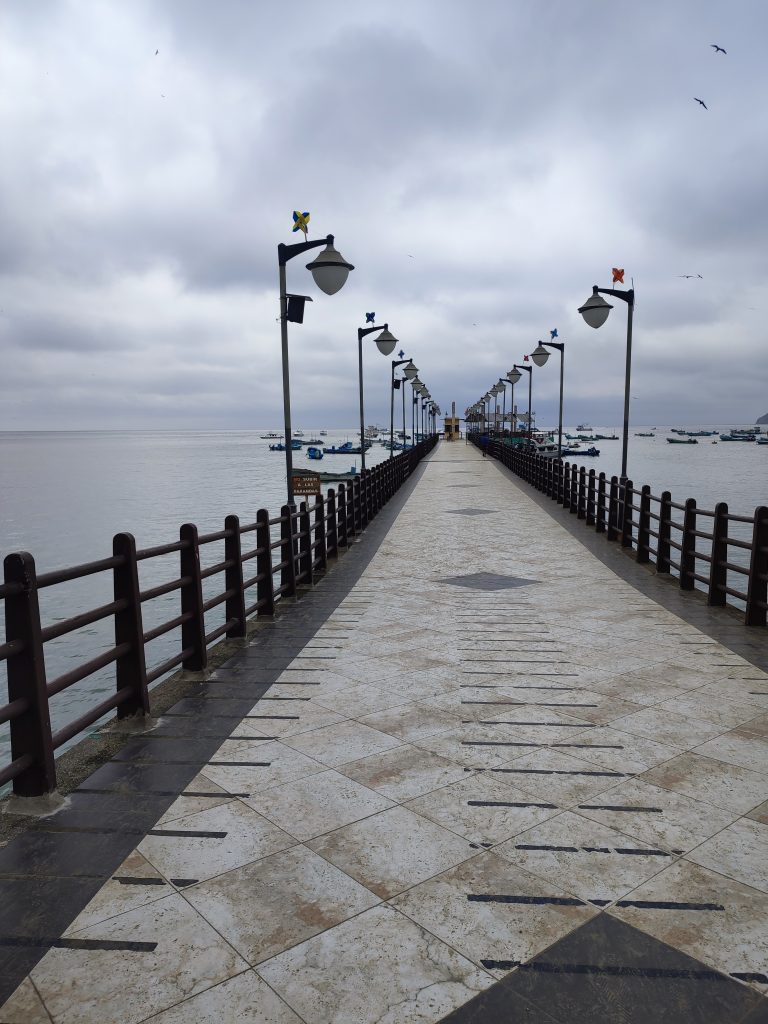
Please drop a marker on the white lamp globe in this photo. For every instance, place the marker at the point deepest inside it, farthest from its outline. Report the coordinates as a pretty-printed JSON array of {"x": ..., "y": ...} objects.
[
  {"x": 540, "y": 355},
  {"x": 514, "y": 376},
  {"x": 595, "y": 310},
  {"x": 330, "y": 270},
  {"x": 385, "y": 342}
]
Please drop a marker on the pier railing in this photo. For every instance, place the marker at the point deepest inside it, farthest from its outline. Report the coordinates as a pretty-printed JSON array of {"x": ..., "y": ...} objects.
[
  {"x": 697, "y": 545},
  {"x": 264, "y": 563}
]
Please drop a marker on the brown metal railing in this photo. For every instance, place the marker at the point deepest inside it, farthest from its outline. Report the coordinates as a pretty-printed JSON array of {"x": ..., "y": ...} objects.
[
  {"x": 307, "y": 537},
  {"x": 681, "y": 539}
]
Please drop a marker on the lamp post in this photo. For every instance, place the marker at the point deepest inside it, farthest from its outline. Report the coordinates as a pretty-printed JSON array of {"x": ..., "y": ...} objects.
[
  {"x": 410, "y": 372},
  {"x": 540, "y": 356},
  {"x": 415, "y": 384},
  {"x": 330, "y": 271},
  {"x": 501, "y": 386},
  {"x": 385, "y": 343},
  {"x": 529, "y": 370},
  {"x": 595, "y": 312},
  {"x": 513, "y": 377}
]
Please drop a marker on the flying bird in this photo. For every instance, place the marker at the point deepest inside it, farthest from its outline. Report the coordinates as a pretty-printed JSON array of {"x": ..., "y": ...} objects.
[
  {"x": 717, "y": 49},
  {"x": 690, "y": 275},
  {"x": 157, "y": 51},
  {"x": 701, "y": 102},
  {"x": 411, "y": 257}
]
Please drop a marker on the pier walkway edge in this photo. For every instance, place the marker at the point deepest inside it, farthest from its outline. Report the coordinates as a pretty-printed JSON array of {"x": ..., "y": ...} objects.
[{"x": 475, "y": 775}]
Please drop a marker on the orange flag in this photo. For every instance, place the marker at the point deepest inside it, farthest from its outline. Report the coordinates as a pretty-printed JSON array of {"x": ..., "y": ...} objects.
[{"x": 618, "y": 275}]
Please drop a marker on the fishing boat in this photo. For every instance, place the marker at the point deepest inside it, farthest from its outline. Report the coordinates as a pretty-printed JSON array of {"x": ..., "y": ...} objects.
[
  {"x": 761, "y": 440},
  {"x": 682, "y": 440},
  {"x": 323, "y": 433},
  {"x": 591, "y": 451},
  {"x": 271, "y": 437},
  {"x": 313, "y": 440},
  {"x": 738, "y": 437},
  {"x": 328, "y": 477},
  {"x": 584, "y": 426},
  {"x": 314, "y": 453},
  {"x": 699, "y": 433},
  {"x": 645, "y": 435},
  {"x": 298, "y": 433},
  {"x": 277, "y": 447}
]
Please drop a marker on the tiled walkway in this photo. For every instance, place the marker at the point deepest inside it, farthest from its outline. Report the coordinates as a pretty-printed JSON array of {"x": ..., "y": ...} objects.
[{"x": 497, "y": 783}]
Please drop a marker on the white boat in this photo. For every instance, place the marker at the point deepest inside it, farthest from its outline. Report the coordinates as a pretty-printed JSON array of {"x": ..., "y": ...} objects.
[
  {"x": 584, "y": 426},
  {"x": 271, "y": 436},
  {"x": 546, "y": 448},
  {"x": 298, "y": 433}
]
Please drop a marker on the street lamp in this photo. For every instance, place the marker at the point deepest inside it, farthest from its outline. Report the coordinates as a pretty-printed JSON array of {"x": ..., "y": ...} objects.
[
  {"x": 386, "y": 344},
  {"x": 595, "y": 312},
  {"x": 529, "y": 371},
  {"x": 416, "y": 385},
  {"x": 410, "y": 368},
  {"x": 540, "y": 356},
  {"x": 513, "y": 376},
  {"x": 330, "y": 271}
]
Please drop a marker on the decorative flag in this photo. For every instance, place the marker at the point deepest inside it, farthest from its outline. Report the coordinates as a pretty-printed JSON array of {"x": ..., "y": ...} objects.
[
  {"x": 618, "y": 275},
  {"x": 553, "y": 334},
  {"x": 370, "y": 318},
  {"x": 525, "y": 359},
  {"x": 401, "y": 354},
  {"x": 300, "y": 221}
]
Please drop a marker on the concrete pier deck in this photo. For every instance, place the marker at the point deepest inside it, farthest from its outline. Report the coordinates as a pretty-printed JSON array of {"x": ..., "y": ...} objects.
[{"x": 476, "y": 776}]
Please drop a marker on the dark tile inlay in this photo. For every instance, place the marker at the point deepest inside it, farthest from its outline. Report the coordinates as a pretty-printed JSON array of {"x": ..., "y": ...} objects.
[{"x": 607, "y": 972}]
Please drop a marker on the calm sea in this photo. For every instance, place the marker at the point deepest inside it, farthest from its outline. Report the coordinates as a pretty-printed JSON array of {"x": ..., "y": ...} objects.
[{"x": 64, "y": 494}]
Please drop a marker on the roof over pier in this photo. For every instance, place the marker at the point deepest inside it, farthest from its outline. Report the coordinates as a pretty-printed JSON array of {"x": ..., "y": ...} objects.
[{"x": 475, "y": 775}]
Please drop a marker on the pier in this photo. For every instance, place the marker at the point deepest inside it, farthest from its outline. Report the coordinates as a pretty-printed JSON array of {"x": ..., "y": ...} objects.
[{"x": 471, "y": 764}]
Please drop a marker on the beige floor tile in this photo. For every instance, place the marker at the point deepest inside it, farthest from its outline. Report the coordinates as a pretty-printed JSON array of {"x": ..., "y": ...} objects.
[
  {"x": 90, "y": 986},
  {"x": 585, "y": 858},
  {"x": 621, "y": 751},
  {"x": 704, "y": 706},
  {"x": 666, "y": 726},
  {"x": 711, "y": 781},
  {"x": 656, "y": 816},
  {"x": 277, "y": 764},
  {"x": 404, "y": 772},
  {"x": 392, "y": 850},
  {"x": 557, "y": 776},
  {"x": 290, "y": 721},
  {"x": 244, "y": 999},
  {"x": 739, "y": 747},
  {"x": 378, "y": 967},
  {"x": 185, "y": 805},
  {"x": 262, "y": 909},
  {"x": 320, "y": 803},
  {"x": 117, "y": 897},
  {"x": 739, "y": 851},
  {"x": 338, "y": 744},
  {"x": 483, "y": 809},
  {"x": 240, "y": 835},
  {"x": 469, "y": 746},
  {"x": 410, "y": 721},
  {"x": 489, "y": 909},
  {"x": 358, "y": 700}
]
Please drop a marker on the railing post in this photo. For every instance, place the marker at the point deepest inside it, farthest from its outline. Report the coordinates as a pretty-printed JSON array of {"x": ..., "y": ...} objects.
[
  {"x": 591, "y": 498},
  {"x": 663, "y": 550},
  {"x": 757, "y": 588},
  {"x": 600, "y": 516},
  {"x": 628, "y": 493},
  {"x": 357, "y": 521},
  {"x": 306, "y": 572},
  {"x": 287, "y": 552},
  {"x": 566, "y": 485},
  {"x": 265, "y": 588},
  {"x": 341, "y": 533},
  {"x": 131, "y": 668},
  {"x": 718, "y": 574},
  {"x": 613, "y": 509},
  {"x": 193, "y": 630},
  {"x": 31, "y": 731},
  {"x": 688, "y": 554},
  {"x": 573, "y": 500},
  {"x": 644, "y": 525},
  {"x": 233, "y": 578},
  {"x": 582, "y": 501},
  {"x": 332, "y": 530},
  {"x": 320, "y": 539}
]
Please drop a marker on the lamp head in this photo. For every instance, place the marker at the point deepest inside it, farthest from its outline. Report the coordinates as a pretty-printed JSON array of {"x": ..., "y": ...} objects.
[
  {"x": 411, "y": 371},
  {"x": 514, "y": 375},
  {"x": 385, "y": 342},
  {"x": 540, "y": 355},
  {"x": 501, "y": 385},
  {"x": 595, "y": 310},
  {"x": 330, "y": 270}
]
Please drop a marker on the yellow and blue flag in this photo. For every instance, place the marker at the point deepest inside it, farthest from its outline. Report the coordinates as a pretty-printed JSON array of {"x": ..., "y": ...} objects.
[{"x": 300, "y": 221}]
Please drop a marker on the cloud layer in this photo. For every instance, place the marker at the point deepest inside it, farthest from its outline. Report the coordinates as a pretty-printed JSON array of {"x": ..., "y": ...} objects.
[{"x": 482, "y": 165}]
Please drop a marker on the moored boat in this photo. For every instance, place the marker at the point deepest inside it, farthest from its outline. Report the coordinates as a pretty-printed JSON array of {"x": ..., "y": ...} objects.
[{"x": 682, "y": 440}]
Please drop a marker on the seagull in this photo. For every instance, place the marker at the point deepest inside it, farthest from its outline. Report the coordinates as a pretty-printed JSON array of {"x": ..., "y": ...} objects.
[
  {"x": 411, "y": 257},
  {"x": 156, "y": 52},
  {"x": 690, "y": 275},
  {"x": 717, "y": 49},
  {"x": 701, "y": 102}
]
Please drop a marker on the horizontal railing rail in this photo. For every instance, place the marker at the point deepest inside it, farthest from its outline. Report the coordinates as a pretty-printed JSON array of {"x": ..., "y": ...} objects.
[
  {"x": 291, "y": 550},
  {"x": 677, "y": 539}
]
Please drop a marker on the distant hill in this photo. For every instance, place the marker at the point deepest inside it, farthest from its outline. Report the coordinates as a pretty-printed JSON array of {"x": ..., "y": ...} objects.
[{"x": 763, "y": 419}]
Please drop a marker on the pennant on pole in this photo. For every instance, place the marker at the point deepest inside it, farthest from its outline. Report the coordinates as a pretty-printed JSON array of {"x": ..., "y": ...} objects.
[
  {"x": 553, "y": 334},
  {"x": 370, "y": 318},
  {"x": 618, "y": 275}
]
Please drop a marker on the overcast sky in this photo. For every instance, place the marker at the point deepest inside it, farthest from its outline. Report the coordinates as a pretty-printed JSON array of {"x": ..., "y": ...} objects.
[{"x": 482, "y": 164}]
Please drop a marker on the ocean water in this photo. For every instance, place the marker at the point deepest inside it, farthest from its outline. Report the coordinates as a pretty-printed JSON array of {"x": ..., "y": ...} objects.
[{"x": 63, "y": 495}]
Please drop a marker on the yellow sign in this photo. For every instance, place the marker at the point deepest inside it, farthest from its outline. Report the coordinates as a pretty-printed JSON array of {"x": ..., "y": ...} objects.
[{"x": 305, "y": 485}]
